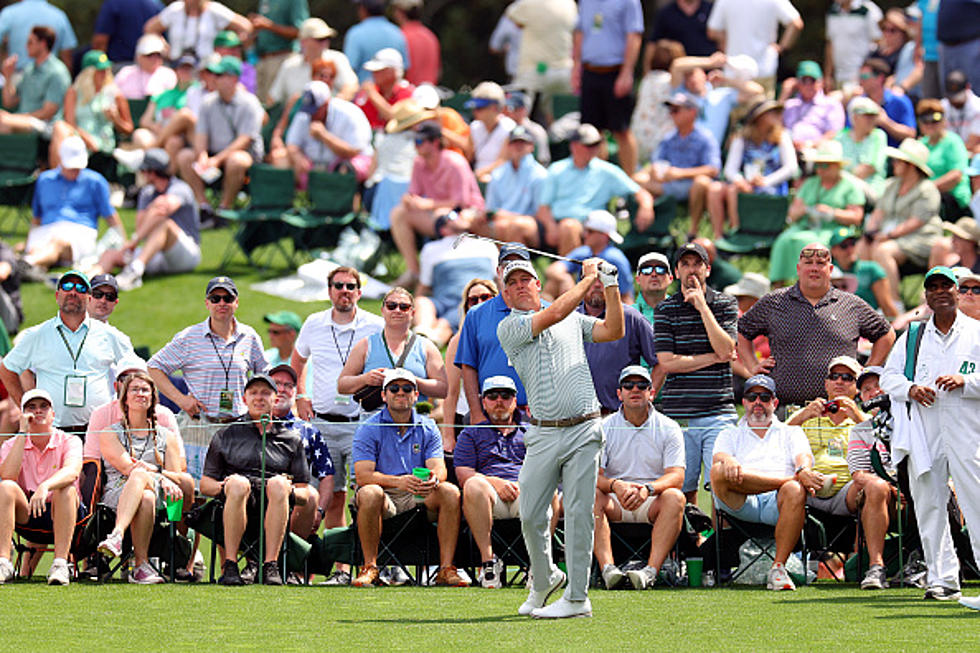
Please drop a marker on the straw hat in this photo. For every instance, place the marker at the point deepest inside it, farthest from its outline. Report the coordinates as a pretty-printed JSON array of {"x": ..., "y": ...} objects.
[
  {"x": 827, "y": 152},
  {"x": 760, "y": 107},
  {"x": 406, "y": 114},
  {"x": 912, "y": 151},
  {"x": 965, "y": 228}
]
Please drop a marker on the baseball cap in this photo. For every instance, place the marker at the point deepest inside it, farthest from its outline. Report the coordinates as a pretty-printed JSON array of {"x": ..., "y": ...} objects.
[
  {"x": 128, "y": 364},
  {"x": 283, "y": 367},
  {"x": 762, "y": 381},
  {"x": 863, "y": 105},
  {"x": 691, "y": 248},
  {"x": 35, "y": 393},
  {"x": 394, "y": 374},
  {"x": 965, "y": 274},
  {"x": 385, "y": 58},
  {"x": 284, "y": 318},
  {"x": 941, "y": 271},
  {"x": 186, "y": 59},
  {"x": 681, "y": 99},
  {"x": 261, "y": 378},
  {"x": 871, "y": 370},
  {"x": 224, "y": 283},
  {"x": 96, "y": 59},
  {"x": 517, "y": 100},
  {"x": 427, "y": 96},
  {"x": 315, "y": 28},
  {"x": 486, "y": 94},
  {"x": 841, "y": 234},
  {"x": 77, "y": 274},
  {"x": 406, "y": 4},
  {"x": 104, "y": 279},
  {"x": 227, "y": 39},
  {"x": 586, "y": 134},
  {"x": 499, "y": 382},
  {"x": 315, "y": 95},
  {"x": 150, "y": 44},
  {"x": 634, "y": 370},
  {"x": 752, "y": 284},
  {"x": 809, "y": 69},
  {"x": 520, "y": 133},
  {"x": 73, "y": 153},
  {"x": 513, "y": 249},
  {"x": 156, "y": 160},
  {"x": 653, "y": 257},
  {"x": 429, "y": 129},
  {"x": 514, "y": 266},
  {"x": 956, "y": 83},
  {"x": 847, "y": 362},
  {"x": 228, "y": 65},
  {"x": 603, "y": 222}
]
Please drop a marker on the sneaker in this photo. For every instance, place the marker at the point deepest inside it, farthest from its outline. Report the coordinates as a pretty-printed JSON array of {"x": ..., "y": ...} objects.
[
  {"x": 973, "y": 603},
  {"x": 337, "y": 578},
  {"x": 145, "y": 575},
  {"x": 537, "y": 599},
  {"x": 111, "y": 547},
  {"x": 295, "y": 579},
  {"x": 250, "y": 572},
  {"x": 563, "y": 609},
  {"x": 396, "y": 576},
  {"x": 778, "y": 579},
  {"x": 230, "y": 574},
  {"x": 131, "y": 159},
  {"x": 449, "y": 577},
  {"x": 59, "y": 574},
  {"x": 875, "y": 579},
  {"x": 199, "y": 568},
  {"x": 612, "y": 576},
  {"x": 491, "y": 574},
  {"x": 6, "y": 570},
  {"x": 129, "y": 279},
  {"x": 940, "y": 593},
  {"x": 642, "y": 579},
  {"x": 368, "y": 577},
  {"x": 270, "y": 573},
  {"x": 30, "y": 273}
]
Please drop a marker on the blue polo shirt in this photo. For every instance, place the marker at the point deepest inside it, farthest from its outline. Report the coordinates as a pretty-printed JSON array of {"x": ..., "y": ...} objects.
[
  {"x": 612, "y": 254},
  {"x": 122, "y": 21},
  {"x": 699, "y": 148},
  {"x": 480, "y": 348},
  {"x": 573, "y": 192},
  {"x": 517, "y": 190},
  {"x": 607, "y": 359},
  {"x": 363, "y": 41},
  {"x": 604, "y": 26},
  {"x": 378, "y": 440},
  {"x": 83, "y": 201},
  {"x": 486, "y": 450}
]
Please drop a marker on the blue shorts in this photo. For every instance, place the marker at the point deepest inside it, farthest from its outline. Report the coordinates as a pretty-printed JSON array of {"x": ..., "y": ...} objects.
[
  {"x": 699, "y": 444},
  {"x": 758, "y": 508},
  {"x": 679, "y": 189}
]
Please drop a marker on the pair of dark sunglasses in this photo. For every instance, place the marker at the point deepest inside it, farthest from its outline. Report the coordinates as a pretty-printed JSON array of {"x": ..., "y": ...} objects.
[
  {"x": 812, "y": 253},
  {"x": 651, "y": 269},
  {"x": 473, "y": 300},
  {"x": 494, "y": 395},
  {"x": 217, "y": 299},
  {"x": 629, "y": 385},
  {"x": 100, "y": 294},
  {"x": 841, "y": 376},
  {"x": 764, "y": 397},
  {"x": 78, "y": 286},
  {"x": 969, "y": 289},
  {"x": 340, "y": 285},
  {"x": 398, "y": 306},
  {"x": 395, "y": 388}
]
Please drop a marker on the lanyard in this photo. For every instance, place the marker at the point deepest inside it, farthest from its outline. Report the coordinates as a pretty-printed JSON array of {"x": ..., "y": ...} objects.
[
  {"x": 74, "y": 354},
  {"x": 226, "y": 368},
  {"x": 343, "y": 356}
]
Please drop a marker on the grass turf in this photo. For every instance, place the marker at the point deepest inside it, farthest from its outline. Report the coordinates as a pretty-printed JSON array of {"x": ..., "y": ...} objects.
[{"x": 820, "y": 617}]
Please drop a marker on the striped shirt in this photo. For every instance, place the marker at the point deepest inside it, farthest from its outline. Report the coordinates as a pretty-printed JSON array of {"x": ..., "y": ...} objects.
[
  {"x": 679, "y": 329},
  {"x": 211, "y": 365},
  {"x": 552, "y": 365},
  {"x": 487, "y": 451}
]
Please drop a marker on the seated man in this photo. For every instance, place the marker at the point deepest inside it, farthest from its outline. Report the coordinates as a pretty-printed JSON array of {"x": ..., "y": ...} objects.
[
  {"x": 227, "y": 139},
  {"x": 68, "y": 202},
  {"x": 640, "y": 478},
  {"x": 40, "y": 92},
  {"x": 810, "y": 115},
  {"x": 488, "y": 459},
  {"x": 387, "y": 447},
  {"x": 685, "y": 162},
  {"x": 168, "y": 225},
  {"x": 828, "y": 424},
  {"x": 517, "y": 107},
  {"x": 583, "y": 183},
  {"x": 762, "y": 471},
  {"x": 489, "y": 129},
  {"x": 39, "y": 468},
  {"x": 441, "y": 181},
  {"x": 231, "y": 469},
  {"x": 599, "y": 231}
]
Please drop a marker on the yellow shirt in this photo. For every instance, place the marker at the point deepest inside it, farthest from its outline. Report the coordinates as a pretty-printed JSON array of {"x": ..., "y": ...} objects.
[{"x": 824, "y": 436}]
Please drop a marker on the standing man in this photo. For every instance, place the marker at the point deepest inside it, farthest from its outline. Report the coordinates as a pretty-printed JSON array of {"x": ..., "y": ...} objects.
[
  {"x": 653, "y": 278},
  {"x": 328, "y": 337},
  {"x": 939, "y": 428},
  {"x": 71, "y": 356},
  {"x": 103, "y": 297},
  {"x": 283, "y": 329},
  {"x": 605, "y": 47},
  {"x": 546, "y": 347},
  {"x": 420, "y": 42},
  {"x": 695, "y": 334},
  {"x": 276, "y": 26},
  {"x": 372, "y": 33},
  {"x": 19, "y": 18}
]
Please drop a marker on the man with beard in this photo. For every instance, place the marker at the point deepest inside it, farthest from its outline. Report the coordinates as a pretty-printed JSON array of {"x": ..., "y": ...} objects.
[{"x": 762, "y": 471}]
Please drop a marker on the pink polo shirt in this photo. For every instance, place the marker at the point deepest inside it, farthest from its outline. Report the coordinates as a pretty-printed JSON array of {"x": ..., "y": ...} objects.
[
  {"x": 108, "y": 414},
  {"x": 452, "y": 179},
  {"x": 40, "y": 464}
]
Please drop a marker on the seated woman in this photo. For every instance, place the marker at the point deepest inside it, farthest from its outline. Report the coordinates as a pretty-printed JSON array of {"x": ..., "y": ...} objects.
[
  {"x": 94, "y": 109},
  {"x": 761, "y": 160},
  {"x": 396, "y": 345},
  {"x": 871, "y": 280},
  {"x": 948, "y": 158},
  {"x": 825, "y": 201},
  {"x": 905, "y": 223},
  {"x": 864, "y": 147},
  {"x": 148, "y": 76},
  {"x": 143, "y": 470},
  {"x": 962, "y": 248}
]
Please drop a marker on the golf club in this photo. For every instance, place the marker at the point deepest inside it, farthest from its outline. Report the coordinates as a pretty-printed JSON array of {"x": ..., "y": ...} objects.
[{"x": 463, "y": 235}]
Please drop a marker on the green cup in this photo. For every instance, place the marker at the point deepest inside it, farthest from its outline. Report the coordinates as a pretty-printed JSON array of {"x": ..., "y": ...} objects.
[
  {"x": 423, "y": 474},
  {"x": 694, "y": 568},
  {"x": 175, "y": 509}
]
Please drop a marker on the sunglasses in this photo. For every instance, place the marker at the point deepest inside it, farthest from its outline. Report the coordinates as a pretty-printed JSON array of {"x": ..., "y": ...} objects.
[
  {"x": 108, "y": 296},
  {"x": 341, "y": 285},
  {"x": 395, "y": 388},
  {"x": 965, "y": 290},
  {"x": 77, "y": 286},
  {"x": 847, "y": 244},
  {"x": 821, "y": 255},
  {"x": 752, "y": 397},
  {"x": 629, "y": 385},
  {"x": 650, "y": 269},
  {"x": 398, "y": 306},
  {"x": 420, "y": 140},
  {"x": 868, "y": 75},
  {"x": 217, "y": 299},
  {"x": 473, "y": 300},
  {"x": 840, "y": 376},
  {"x": 494, "y": 395}
]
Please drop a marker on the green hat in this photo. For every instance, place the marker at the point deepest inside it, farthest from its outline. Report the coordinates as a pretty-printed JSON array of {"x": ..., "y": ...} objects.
[
  {"x": 809, "y": 69},
  {"x": 285, "y": 318},
  {"x": 942, "y": 271},
  {"x": 226, "y": 66},
  {"x": 227, "y": 39},
  {"x": 96, "y": 58},
  {"x": 75, "y": 273},
  {"x": 841, "y": 234}
]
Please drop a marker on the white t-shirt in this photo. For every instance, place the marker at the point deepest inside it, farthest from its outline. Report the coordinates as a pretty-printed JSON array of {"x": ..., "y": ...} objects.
[
  {"x": 750, "y": 26},
  {"x": 641, "y": 454},
  {"x": 328, "y": 345},
  {"x": 194, "y": 32},
  {"x": 295, "y": 73},
  {"x": 456, "y": 266},
  {"x": 965, "y": 121},
  {"x": 345, "y": 120},
  {"x": 488, "y": 145},
  {"x": 773, "y": 455},
  {"x": 852, "y": 34},
  {"x": 547, "y": 32}
]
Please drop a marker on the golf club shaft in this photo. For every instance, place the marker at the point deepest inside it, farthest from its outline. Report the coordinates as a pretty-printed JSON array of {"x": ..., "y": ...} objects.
[{"x": 530, "y": 249}]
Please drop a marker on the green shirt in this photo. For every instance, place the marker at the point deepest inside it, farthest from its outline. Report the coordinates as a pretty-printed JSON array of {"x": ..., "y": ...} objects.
[
  {"x": 281, "y": 12},
  {"x": 870, "y": 151},
  {"x": 45, "y": 83},
  {"x": 170, "y": 101},
  {"x": 950, "y": 154},
  {"x": 843, "y": 194},
  {"x": 645, "y": 309},
  {"x": 868, "y": 273}
]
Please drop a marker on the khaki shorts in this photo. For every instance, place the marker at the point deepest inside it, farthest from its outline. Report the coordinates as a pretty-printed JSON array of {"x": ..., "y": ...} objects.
[
  {"x": 639, "y": 516},
  {"x": 399, "y": 501},
  {"x": 505, "y": 509}
]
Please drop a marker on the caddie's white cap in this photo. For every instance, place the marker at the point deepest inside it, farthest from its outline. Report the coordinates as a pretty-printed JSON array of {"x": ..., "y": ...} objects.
[{"x": 397, "y": 373}]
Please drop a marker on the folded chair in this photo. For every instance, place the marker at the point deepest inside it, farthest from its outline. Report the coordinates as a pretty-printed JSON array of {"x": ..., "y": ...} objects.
[
  {"x": 260, "y": 223},
  {"x": 730, "y": 537},
  {"x": 761, "y": 219},
  {"x": 407, "y": 540},
  {"x": 331, "y": 209},
  {"x": 18, "y": 172}
]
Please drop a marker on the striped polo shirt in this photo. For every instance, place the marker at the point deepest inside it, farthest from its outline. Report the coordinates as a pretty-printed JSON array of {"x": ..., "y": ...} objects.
[
  {"x": 678, "y": 329},
  {"x": 210, "y": 364}
]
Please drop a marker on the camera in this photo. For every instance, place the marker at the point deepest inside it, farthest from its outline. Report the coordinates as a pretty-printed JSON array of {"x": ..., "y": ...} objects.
[{"x": 831, "y": 406}]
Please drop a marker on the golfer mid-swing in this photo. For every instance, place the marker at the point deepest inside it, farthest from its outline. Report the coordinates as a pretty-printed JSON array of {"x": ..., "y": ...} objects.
[{"x": 565, "y": 437}]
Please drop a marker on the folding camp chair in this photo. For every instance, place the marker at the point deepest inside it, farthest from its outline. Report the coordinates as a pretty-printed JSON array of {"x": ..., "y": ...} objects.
[
  {"x": 728, "y": 539},
  {"x": 507, "y": 541},
  {"x": 656, "y": 237},
  {"x": 831, "y": 536},
  {"x": 407, "y": 540},
  {"x": 761, "y": 219},
  {"x": 260, "y": 223},
  {"x": 331, "y": 209},
  {"x": 18, "y": 172}
]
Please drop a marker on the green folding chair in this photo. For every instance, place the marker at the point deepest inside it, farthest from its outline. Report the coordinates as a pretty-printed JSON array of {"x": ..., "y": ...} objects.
[
  {"x": 260, "y": 223},
  {"x": 656, "y": 237},
  {"x": 761, "y": 219},
  {"x": 18, "y": 172},
  {"x": 331, "y": 209}
]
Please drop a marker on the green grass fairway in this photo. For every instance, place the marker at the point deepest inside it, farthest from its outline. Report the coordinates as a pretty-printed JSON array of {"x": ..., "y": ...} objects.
[{"x": 166, "y": 617}]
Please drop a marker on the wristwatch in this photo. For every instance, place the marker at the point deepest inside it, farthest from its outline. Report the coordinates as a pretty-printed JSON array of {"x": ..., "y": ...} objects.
[
  {"x": 800, "y": 469},
  {"x": 650, "y": 489}
]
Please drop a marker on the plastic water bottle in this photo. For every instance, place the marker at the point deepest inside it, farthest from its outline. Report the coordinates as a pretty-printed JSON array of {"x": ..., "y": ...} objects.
[{"x": 708, "y": 579}]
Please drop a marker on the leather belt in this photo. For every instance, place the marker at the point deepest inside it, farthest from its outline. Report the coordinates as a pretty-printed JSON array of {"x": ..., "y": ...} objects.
[
  {"x": 331, "y": 417},
  {"x": 568, "y": 421},
  {"x": 221, "y": 420},
  {"x": 601, "y": 70}
]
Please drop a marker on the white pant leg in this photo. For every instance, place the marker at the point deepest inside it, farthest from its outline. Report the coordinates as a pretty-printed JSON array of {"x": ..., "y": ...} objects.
[
  {"x": 538, "y": 481},
  {"x": 930, "y": 492},
  {"x": 964, "y": 467},
  {"x": 579, "y": 471}
]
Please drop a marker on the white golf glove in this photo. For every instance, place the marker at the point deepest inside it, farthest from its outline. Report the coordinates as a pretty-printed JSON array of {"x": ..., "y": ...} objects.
[{"x": 608, "y": 274}]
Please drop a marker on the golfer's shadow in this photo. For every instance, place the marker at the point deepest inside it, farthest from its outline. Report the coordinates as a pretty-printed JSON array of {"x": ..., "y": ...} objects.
[{"x": 437, "y": 620}]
